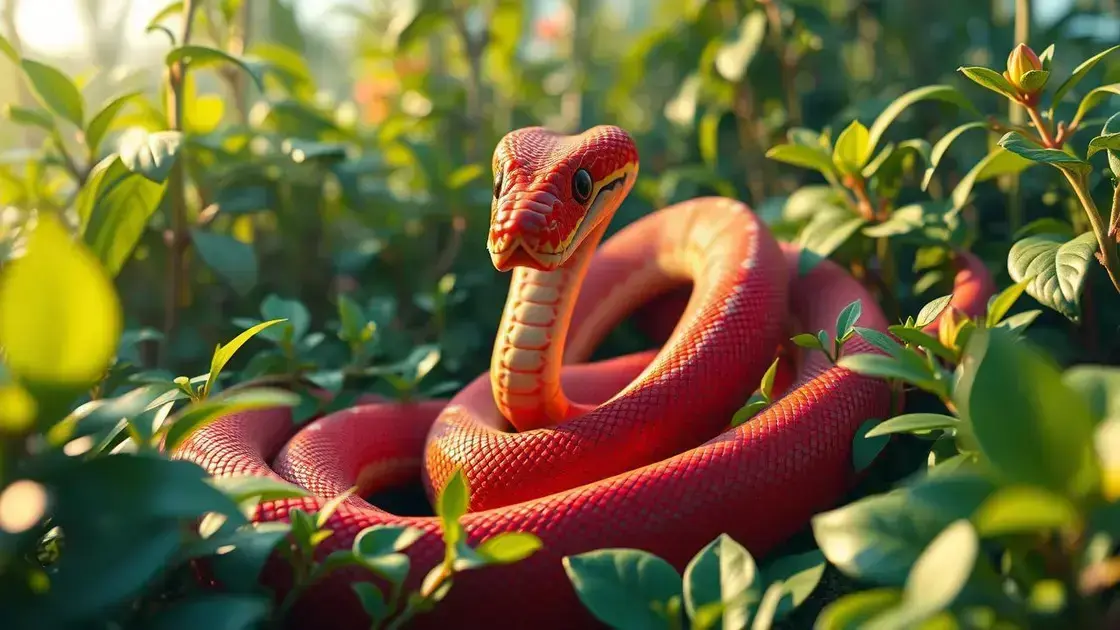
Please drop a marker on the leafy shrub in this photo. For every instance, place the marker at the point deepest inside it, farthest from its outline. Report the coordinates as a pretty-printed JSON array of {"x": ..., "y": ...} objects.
[{"x": 321, "y": 247}]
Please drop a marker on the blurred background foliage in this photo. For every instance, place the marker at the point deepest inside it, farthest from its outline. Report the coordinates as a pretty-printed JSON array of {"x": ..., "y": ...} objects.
[{"x": 362, "y": 166}]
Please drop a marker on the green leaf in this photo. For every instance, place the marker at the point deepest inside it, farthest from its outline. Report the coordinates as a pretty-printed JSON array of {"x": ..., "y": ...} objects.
[
  {"x": 233, "y": 260},
  {"x": 203, "y": 56},
  {"x": 866, "y": 447},
  {"x": 1007, "y": 387},
  {"x": 932, "y": 310},
  {"x": 8, "y": 50},
  {"x": 990, "y": 79},
  {"x": 846, "y": 320},
  {"x": 1077, "y": 75},
  {"x": 1023, "y": 510},
  {"x": 826, "y": 232},
  {"x": 914, "y": 423},
  {"x": 916, "y": 337},
  {"x": 323, "y": 516},
  {"x": 223, "y": 354},
  {"x": 621, "y": 586},
  {"x": 855, "y": 610},
  {"x": 878, "y": 539},
  {"x": 508, "y": 547},
  {"x": 941, "y": 147},
  {"x": 798, "y": 575},
  {"x": 373, "y": 602},
  {"x": 293, "y": 312},
  {"x": 946, "y": 93},
  {"x": 56, "y": 91},
  {"x": 853, "y": 148},
  {"x": 380, "y": 540},
  {"x": 1054, "y": 269},
  {"x": 151, "y": 154},
  {"x": 880, "y": 340},
  {"x": 801, "y": 155},
  {"x": 426, "y": 20},
  {"x": 30, "y": 117},
  {"x": 1098, "y": 386},
  {"x": 937, "y": 578},
  {"x": 1111, "y": 126},
  {"x": 1093, "y": 99},
  {"x": 241, "y": 488},
  {"x": 60, "y": 318},
  {"x": 906, "y": 367},
  {"x": 101, "y": 122},
  {"x": 451, "y": 505},
  {"x": 239, "y": 568},
  {"x": 1014, "y": 142},
  {"x": 806, "y": 340},
  {"x": 999, "y": 162},
  {"x": 224, "y": 611},
  {"x": 767, "y": 384},
  {"x": 114, "y": 207},
  {"x": 735, "y": 56},
  {"x": 1108, "y": 142},
  {"x": 1034, "y": 80},
  {"x": 722, "y": 572},
  {"x": 199, "y": 414},
  {"x": 1001, "y": 303}
]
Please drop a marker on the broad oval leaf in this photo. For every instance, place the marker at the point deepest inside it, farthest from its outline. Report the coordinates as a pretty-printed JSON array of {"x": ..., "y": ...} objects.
[
  {"x": 946, "y": 93},
  {"x": 453, "y": 501},
  {"x": 826, "y": 232},
  {"x": 380, "y": 540},
  {"x": 932, "y": 310},
  {"x": 723, "y": 572},
  {"x": 56, "y": 90},
  {"x": 866, "y": 447},
  {"x": 60, "y": 318},
  {"x": 943, "y": 569},
  {"x": 102, "y": 121},
  {"x": 1007, "y": 387},
  {"x": 621, "y": 586},
  {"x": 151, "y": 154},
  {"x": 853, "y": 148},
  {"x": 1105, "y": 142},
  {"x": 1058, "y": 267},
  {"x": 508, "y": 547}
]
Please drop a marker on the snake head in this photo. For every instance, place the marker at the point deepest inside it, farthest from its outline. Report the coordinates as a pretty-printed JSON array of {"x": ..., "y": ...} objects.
[{"x": 552, "y": 190}]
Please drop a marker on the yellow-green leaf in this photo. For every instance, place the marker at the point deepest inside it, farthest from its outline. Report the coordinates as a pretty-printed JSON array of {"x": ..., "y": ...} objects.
[
  {"x": 801, "y": 155},
  {"x": 853, "y": 148},
  {"x": 222, "y": 354},
  {"x": 946, "y": 93},
  {"x": 1091, "y": 100},
  {"x": 57, "y": 92},
  {"x": 102, "y": 121},
  {"x": 203, "y": 56},
  {"x": 60, "y": 318},
  {"x": 1078, "y": 73},
  {"x": 990, "y": 79}
]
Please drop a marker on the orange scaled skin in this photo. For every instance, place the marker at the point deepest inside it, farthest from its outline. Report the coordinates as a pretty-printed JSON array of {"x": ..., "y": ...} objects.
[{"x": 640, "y": 455}]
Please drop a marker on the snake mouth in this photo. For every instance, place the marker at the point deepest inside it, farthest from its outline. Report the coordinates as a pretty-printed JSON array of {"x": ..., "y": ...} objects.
[{"x": 514, "y": 252}]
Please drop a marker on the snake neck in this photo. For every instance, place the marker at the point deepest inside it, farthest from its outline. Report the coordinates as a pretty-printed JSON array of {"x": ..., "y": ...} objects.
[{"x": 529, "y": 349}]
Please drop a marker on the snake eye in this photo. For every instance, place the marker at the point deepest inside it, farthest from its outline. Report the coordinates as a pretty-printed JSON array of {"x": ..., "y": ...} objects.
[
  {"x": 581, "y": 185},
  {"x": 498, "y": 185}
]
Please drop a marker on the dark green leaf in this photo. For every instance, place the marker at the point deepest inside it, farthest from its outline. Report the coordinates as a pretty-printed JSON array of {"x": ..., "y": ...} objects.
[
  {"x": 826, "y": 232},
  {"x": 880, "y": 340},
  {"x": 293, "y": 312},
  {"x": 237, "y": 559},
  {"x": 1099, "y": 386},
  {"x": 999, "y": 162},
  {"x": 1007, "y": 387},
  {"x": 56, "y": 91},
  {"x": 1111, "y": 126},
  {"x": 151, "y": 154},
  {"x": 243, "y": 487},
  {"x": 1054, "y": 268},
  {"x": 906, "y": 367},
  {"x": 1014, "y": 142},
  {"x": 866, "y": 447},
  {"x": 846, "y": 320},
  {"x": 799, "y": 576},
  {"x": 373, "y": 602},
  {"x": 380, "y": 540},
  {"x": 621, "y": 586},
  {"x": 914, "y": 423},
  {"x": 1107, "y": 142},
  {"x": 232, "y": 260},
  {"x": 216, "y": 611}
]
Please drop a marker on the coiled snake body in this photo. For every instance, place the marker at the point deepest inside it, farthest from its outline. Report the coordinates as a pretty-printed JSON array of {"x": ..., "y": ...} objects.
[{"x": 633, "y": 451}]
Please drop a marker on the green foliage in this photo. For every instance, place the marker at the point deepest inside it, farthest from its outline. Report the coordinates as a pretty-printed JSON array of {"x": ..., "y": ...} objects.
[{"x": 318, "y": 224}]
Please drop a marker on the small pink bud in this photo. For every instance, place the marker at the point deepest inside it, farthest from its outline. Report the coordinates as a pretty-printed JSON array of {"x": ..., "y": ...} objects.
[{"x": 1021, "y": 61}]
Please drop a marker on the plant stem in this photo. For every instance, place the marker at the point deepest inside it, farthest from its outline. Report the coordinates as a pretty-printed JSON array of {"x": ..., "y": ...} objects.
[
  {"x": 1040, "y": 125},
  {"x": 1108, "y": 248},
  {"x": 1114, "y": 214},
  {"x": 176, "y": 259}
]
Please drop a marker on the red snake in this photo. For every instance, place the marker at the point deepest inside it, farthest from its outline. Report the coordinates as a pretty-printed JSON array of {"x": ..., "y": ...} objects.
[{"x": 634, "y": 451}]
